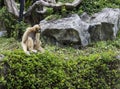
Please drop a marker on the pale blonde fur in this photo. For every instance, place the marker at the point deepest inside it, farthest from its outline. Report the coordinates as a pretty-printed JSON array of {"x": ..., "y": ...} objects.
[{"x": 30, "y": 40}]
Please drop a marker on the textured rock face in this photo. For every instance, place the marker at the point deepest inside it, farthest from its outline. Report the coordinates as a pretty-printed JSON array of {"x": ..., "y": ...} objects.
[
  {"x": 66, "y": 31},
  {"x": 105, "y": 24},
  {"x": 2, "y": 29},
  {"x": 101, "y": 31},
  {"x": 3, "y": 33},
  {"x": 82, "y": 30}
]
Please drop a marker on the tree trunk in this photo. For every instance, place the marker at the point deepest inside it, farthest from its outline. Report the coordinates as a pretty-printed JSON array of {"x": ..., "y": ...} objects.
[
  {"x": 12, "y": 7},
  {"x": 21, "y": 10}
]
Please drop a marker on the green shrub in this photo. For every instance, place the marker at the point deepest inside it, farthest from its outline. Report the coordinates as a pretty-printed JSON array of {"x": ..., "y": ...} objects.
[
  {"x": 92, "y": 6},
  {"x": 48, "y": 71},
  {"x": 89, "y": 6},
  {"x": 11, "y": 23}
]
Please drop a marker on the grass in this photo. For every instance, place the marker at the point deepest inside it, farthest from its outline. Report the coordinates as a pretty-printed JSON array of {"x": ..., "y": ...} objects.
[{"x": 10, "y": 44}]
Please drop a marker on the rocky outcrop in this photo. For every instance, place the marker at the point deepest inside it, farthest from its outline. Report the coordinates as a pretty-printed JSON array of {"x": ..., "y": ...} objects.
[
  {"x": 75, "y": 30},
  {"x": 3, "y": 33},
  {"x": 67, "y": 31},
  {"x": 2, "y": 29},
  {"x": 105, "y": 24}
]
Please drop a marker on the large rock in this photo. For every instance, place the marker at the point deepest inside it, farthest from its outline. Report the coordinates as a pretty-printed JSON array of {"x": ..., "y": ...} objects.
[
  {"x": 85, "y": 17},
  {"x": 3, "y": 33},
  {"x": 75, "y": 30},
  {"x": 67, "y": 31},
  {"x": 105, "y": 24}
]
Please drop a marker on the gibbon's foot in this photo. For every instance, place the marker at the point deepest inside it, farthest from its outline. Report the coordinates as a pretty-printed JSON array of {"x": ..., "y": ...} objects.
[
  {"x": 28, "y": 53},
  {"x": 35, "y": 51},
  {"x": 41, "y": 50}
]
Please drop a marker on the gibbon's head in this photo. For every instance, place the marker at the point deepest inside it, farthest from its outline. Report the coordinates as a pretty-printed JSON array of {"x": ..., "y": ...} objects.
[{"x": 36, "y": 28}]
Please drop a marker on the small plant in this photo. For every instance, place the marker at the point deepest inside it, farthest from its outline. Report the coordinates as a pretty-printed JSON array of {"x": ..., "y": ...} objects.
[
  {"x": 49, "y": 10},
  {"x": 64, "y": 11},
  {"x": 53, "y": 17},
  {"x": 19, "y": 28}
]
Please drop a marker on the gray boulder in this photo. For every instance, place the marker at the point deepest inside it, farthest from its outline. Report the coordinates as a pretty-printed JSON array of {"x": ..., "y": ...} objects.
[
  {"x": 105, "y": 24},
  {"x": 3, "y": 33},
  {"x": 85, "y": 17},
  {"x": 67, "y": 31},
  {"x": 80, "y": 31}
]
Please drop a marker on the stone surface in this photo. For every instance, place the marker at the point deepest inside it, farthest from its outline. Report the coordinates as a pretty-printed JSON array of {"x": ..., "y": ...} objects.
[
  {"x": 85, "y": 17},
  {"x": 1, "y": 57},
  {"x": 105, "y": 24},
  {"x": 2, "y": 29},
  {"x": 66, "y": 31},
  {"x": 81, "y": 30},
  {"x": 3, "y": 33}
]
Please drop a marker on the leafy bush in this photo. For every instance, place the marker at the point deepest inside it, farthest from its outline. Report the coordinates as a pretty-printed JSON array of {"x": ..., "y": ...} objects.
[
  {"x": 11, "y": 23},
  {"x": 48, "y": 71},
  {"x": 92, "y": 6},
  {"x": 89, "y": 6}
]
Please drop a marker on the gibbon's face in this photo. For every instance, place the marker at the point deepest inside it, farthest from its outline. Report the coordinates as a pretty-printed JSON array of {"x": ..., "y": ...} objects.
[{"x": 37, "y": 28}]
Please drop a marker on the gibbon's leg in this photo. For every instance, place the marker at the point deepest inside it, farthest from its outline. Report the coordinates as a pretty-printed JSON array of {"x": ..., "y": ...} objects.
[
  {"x": 24, "y": 46},
  {"x": 31, "y": 45},
  {"x": 38, "y": 46},
  {"x": 38, "y": 43}
]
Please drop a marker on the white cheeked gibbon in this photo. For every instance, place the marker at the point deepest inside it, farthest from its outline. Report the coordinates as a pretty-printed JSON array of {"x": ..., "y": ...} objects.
[{"x": 30, "y": 40}]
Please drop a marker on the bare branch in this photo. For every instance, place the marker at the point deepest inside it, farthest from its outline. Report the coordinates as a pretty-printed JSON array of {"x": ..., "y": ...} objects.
[
  {"x": 43, "y": 3},
  {"x": 43, "y": 11},
  {"x": 75, "y": 3},
  {"x": 40, "y": 8},
  {"x": 12, "y": 7}
]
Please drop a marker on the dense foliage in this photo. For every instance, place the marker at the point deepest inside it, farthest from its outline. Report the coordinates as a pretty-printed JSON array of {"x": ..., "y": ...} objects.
[
  {"x": 88, "y": 6},
  {"x": 48, "y": 71},
  {"x": 11, "y": 24},
  {"x": 92, "y": 6}
]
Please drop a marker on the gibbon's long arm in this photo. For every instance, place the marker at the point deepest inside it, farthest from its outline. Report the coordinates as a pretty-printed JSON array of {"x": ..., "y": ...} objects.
[
  {"x": 24, "y": 46},
  {"x": 24, "y": 40},
  {"x": 25, "y": 35}
]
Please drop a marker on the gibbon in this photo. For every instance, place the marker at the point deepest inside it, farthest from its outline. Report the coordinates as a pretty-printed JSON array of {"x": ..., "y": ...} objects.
[{"x": 30, "y": 40}]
